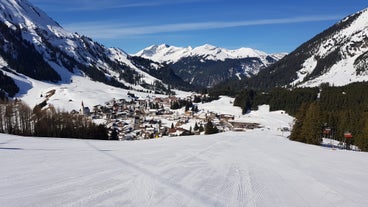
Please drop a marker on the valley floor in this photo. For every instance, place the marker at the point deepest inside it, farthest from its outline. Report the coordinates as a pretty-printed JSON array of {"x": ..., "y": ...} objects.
[{"x": 254, "y": 168}]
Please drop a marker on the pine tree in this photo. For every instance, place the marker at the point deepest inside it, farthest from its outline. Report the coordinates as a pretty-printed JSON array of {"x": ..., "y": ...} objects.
[
  {"x": 361, "y": 139},
  {"x": 300, "y": 116},
  {"x": 196, "y": 127},
  {"x": 312, "y": 127},
  {"x": 175, "y": 105},
  {"x": 114, "y": 134},
  {"x": 210, "y": 128},
  {"x": 187, "y": 107},
  {"x": 201, "y": 128}
]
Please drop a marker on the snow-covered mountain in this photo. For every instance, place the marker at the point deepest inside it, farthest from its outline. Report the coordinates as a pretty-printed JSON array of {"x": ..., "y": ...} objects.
[
  {"x": 338, "y": 56},
  {"x": 208, "y": 65},
  {"x": 35, "y": 47},
  {"x": 171, "y": 54}
]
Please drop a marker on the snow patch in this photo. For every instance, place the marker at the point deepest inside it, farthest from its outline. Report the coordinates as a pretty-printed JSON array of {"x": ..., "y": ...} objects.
[{"x": 308, "y": 67}]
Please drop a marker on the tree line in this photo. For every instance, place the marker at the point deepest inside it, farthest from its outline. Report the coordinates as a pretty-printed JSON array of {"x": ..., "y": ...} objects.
[
  {"x": 19, "y": 119},
  {"x": 341, "y": 109},
  {"x": 278, "y": 99}
]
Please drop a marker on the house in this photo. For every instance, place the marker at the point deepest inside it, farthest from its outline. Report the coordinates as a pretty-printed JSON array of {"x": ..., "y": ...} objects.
[
  {"x": 97, "y": 108},
  {"x": 173, "y": 132},
  {"x": 152, "y": 112},
  {"x": 142, "y": 102},
  {"x": 242, "y": 126},
  {"x": 227, "y": 117},
  {"x": 86, "y": 111}
]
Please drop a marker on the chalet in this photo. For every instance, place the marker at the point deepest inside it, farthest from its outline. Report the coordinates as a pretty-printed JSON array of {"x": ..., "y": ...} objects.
[
  {"x": 241, "y": 126},
  {"x": 227, "y": 117},
  {"x": 189, "y": 113},
  {"x": 122, "y": 115},
  {"x": 152, "y": 112},
  {"x": 97, "y": 108},
  {"x": 173, "y": 132},
  {"x": 142, "y": 102}
]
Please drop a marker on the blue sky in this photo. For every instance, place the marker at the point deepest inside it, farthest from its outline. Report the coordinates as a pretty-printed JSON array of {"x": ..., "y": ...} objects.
[{"x": 271, "y": 26}]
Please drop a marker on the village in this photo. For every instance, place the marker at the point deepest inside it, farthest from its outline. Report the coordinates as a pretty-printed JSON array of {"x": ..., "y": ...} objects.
[{"x": 154, "y": 117}]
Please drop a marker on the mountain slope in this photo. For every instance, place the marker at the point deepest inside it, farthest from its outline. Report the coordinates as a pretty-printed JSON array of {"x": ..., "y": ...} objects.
[
  {"x": 255, "y": 168},
  {"x": 33, "y": 44},
  {"x": 337, "y": 56},
  {"x": 208, "y": 65}
]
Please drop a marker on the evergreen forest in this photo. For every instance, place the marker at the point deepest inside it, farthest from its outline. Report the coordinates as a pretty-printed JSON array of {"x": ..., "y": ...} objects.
[
  {"x": 340, "y": 109},
  {"x": 19, "y": 119}
]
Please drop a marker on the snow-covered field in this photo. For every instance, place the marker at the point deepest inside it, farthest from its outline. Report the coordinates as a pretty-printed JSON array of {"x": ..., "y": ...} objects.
[
  {"x": 69, "y": 96},
  {"x": 253, "y": 168}
]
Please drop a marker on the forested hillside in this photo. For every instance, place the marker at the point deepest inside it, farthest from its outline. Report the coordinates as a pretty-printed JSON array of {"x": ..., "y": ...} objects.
[{"x": 341, "y": 109}]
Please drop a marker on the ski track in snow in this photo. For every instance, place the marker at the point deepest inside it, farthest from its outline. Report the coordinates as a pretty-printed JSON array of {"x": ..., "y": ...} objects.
[
  {"x": 156, "y": 177},
  {"x": 255, "y": 168}
]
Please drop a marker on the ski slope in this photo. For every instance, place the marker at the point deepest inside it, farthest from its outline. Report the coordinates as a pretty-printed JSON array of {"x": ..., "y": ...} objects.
[{"x": 253, "y": 168}]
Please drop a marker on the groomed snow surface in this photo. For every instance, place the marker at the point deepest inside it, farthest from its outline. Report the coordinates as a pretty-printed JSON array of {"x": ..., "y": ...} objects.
[{"x": 254, "y": 168}]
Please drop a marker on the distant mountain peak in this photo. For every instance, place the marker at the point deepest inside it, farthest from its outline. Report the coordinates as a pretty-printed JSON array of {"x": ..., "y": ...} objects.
[
  {"x": 171, "y": 54},
  {"x": 208, "y": 65},
  {"x": 208, "y": 47}
]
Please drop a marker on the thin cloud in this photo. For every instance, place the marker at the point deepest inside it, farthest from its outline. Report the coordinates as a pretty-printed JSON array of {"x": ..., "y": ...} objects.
[
  {"x": 103, "y": 30},
  {"x": 83, "y": 5}
]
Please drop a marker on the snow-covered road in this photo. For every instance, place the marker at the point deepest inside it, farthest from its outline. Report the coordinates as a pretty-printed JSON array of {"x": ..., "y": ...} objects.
[{"x": 256, "y": 168}]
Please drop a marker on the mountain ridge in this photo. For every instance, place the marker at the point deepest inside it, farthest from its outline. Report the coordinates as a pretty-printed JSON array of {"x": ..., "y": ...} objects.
[
  {"x": 165, "y": 53},
  {"x": 336, "y": 56},
  {"x": 208, "y": 65},
  {"x": 35, "y": 45}
]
